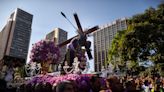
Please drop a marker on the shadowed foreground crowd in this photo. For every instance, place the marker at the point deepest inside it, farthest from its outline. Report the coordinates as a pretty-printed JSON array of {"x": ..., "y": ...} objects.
[{"x": 96, "y": 84}]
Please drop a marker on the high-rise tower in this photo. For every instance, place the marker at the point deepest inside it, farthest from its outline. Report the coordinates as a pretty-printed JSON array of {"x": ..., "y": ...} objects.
[
  {"x": 15, "y": 36},
  {"x": 103, "y": 39}
]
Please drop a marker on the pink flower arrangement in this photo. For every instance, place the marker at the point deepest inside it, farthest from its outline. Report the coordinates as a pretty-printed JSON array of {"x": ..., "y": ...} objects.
[
  {"x": 45, "y": 50},
  {"x": 82, "y": 81},
  {"x": 54, "y": 80}
]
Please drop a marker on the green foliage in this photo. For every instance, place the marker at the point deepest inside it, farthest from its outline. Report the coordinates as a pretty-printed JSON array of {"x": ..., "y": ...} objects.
[{"x": 143, "y": 40}]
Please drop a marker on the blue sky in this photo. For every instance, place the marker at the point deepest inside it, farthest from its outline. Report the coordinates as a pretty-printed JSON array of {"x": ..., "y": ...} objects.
[{"x": 91, "y": 12}]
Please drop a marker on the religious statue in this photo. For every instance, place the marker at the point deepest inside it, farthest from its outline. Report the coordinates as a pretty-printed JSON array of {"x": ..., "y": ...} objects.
[{"x": 77, "y": 43}]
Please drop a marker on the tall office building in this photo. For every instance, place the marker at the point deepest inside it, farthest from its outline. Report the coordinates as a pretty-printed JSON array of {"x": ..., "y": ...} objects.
[
  {"x": 15, "y": 36},
  {"x": 102, "y": 41},
  {"x": 58, "y": 35}
]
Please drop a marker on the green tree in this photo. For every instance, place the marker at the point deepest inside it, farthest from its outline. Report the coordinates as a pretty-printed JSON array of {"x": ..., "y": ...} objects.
[{"x": 142, "y": 41}]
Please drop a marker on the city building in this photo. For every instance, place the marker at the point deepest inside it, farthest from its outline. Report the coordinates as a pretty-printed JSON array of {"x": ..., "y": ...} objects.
[
  {"x": 58, "y": 35},
  {"x": 15, "y": 36},
  {"x": 102, "y": 41}
]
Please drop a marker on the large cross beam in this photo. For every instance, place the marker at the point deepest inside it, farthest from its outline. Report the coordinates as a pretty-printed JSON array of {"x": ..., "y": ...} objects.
[{"x": 85, "y": 32}]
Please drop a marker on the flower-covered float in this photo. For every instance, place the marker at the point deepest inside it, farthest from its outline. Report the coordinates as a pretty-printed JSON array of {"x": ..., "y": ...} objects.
[{"x": 75, "y": 61}]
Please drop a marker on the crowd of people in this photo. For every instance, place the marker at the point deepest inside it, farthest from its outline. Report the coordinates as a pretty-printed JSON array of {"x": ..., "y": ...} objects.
[{"x": 95, "y": 84}]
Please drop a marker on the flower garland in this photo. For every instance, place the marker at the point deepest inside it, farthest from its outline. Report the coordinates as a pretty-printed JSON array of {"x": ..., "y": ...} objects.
[
  {"x": 82, "y": 81},
  {"x": 54, "y": 80}
]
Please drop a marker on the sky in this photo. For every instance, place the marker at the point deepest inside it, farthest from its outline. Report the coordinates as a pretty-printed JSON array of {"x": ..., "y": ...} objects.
[{"x": 46, "y": 14}]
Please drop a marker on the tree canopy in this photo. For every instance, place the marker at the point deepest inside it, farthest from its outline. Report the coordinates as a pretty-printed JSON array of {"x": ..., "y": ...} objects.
[{"x": 143, "y": 40}]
